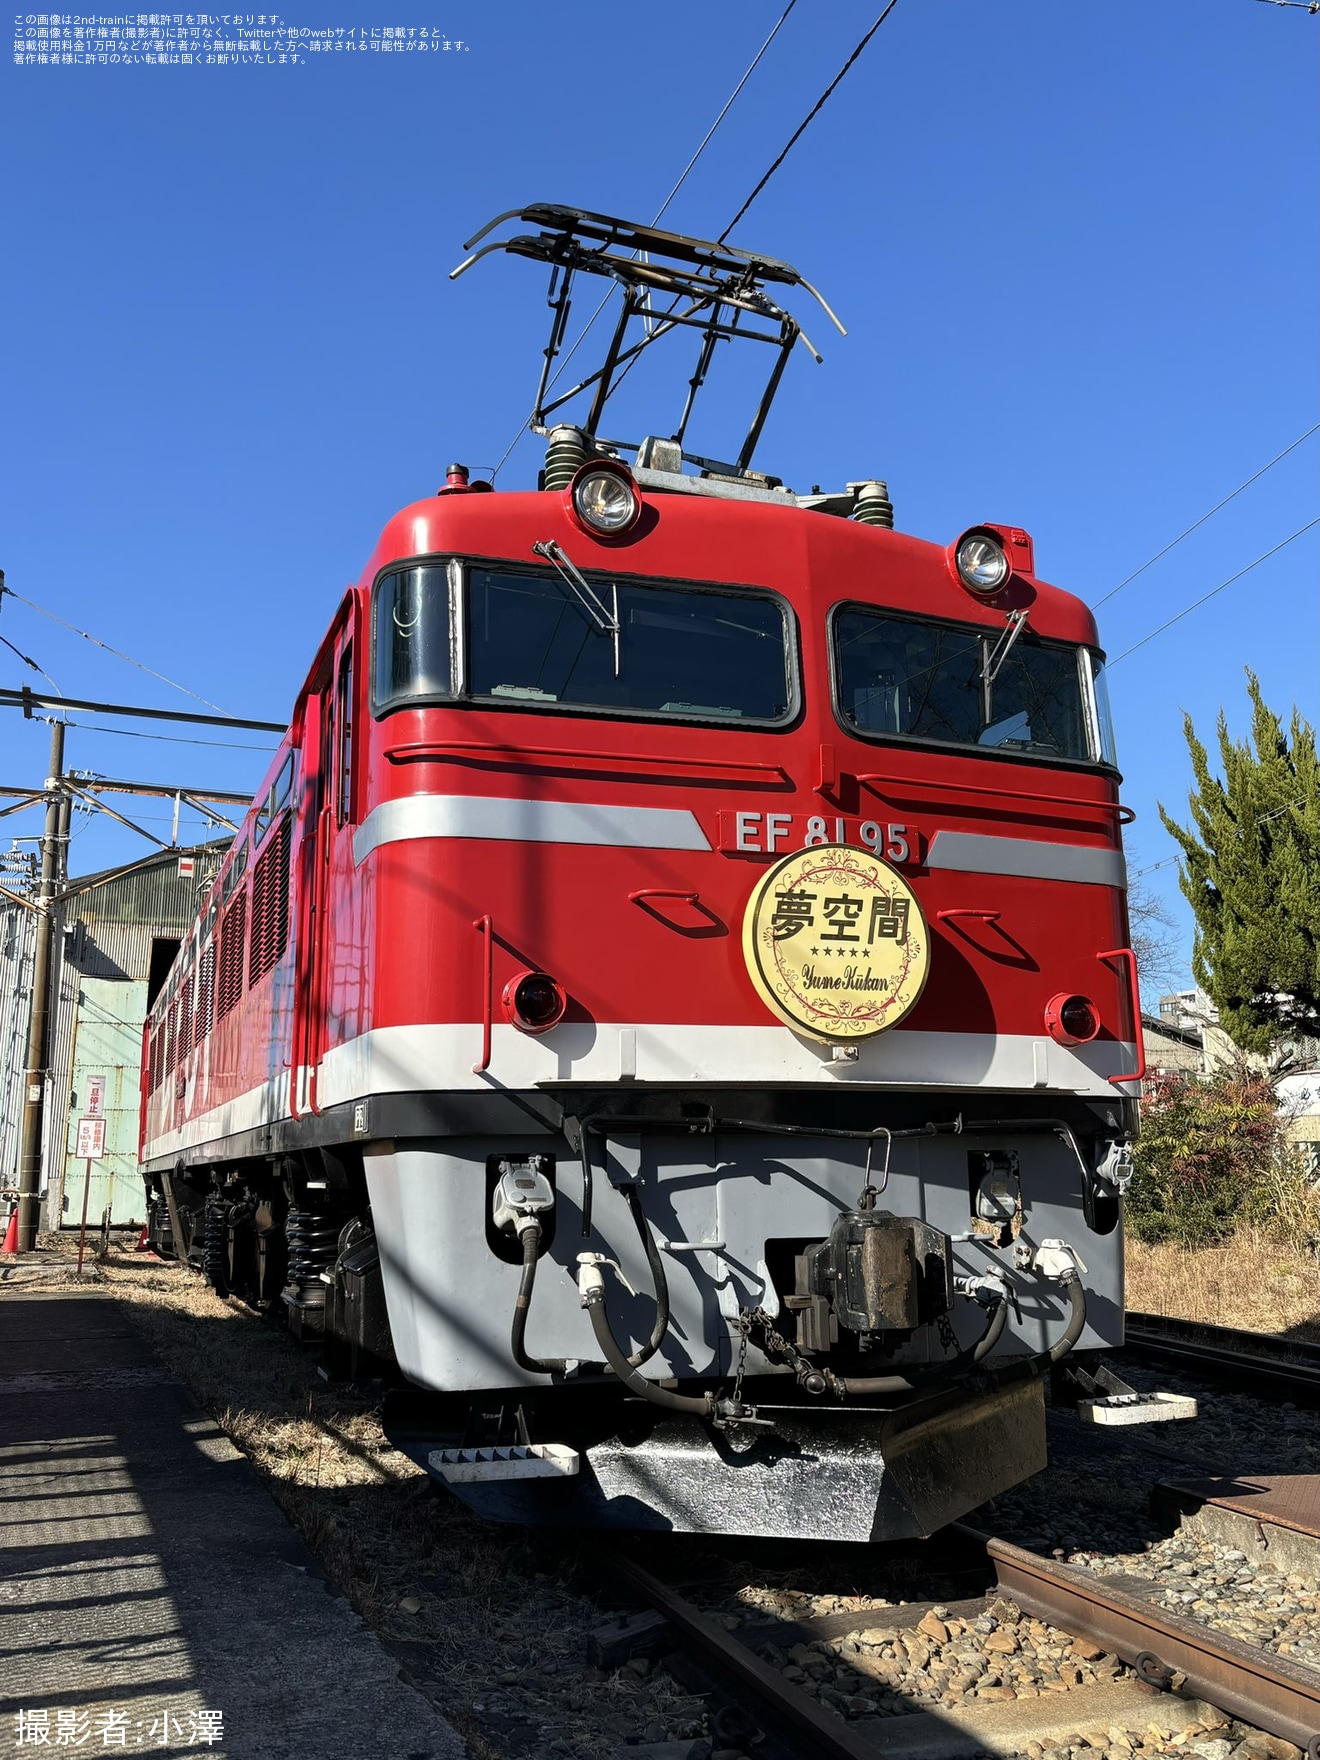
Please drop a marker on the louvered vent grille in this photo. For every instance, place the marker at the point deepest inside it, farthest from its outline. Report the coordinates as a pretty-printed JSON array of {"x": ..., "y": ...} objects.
[
  {"x": 185, "y": 1022},
  {"x": 270, "y": 904},
  {"x": 232, "y": 939},
  {"x": 171, "y": 1038},
  {"x": 205, "y": 1018},
  {"x": 153, "y": 1061}
]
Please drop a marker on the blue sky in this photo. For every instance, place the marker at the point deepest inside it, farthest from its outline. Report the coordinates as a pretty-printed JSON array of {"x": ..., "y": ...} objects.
[{"x": 1075, "y": 249}]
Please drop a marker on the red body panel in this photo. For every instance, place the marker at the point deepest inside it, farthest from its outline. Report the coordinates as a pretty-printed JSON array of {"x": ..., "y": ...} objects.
[{"x": 391, "y": 941}]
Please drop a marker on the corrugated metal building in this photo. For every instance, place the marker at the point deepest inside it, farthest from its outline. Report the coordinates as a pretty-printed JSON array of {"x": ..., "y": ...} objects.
[
  {"x": 115, "y": 936},
  {"x": 18, "y": 930},
  {"x": 121, "y": 932}
]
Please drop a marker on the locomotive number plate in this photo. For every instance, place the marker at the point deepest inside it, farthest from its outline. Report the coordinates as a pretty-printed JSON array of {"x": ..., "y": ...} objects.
[{"x": 775, "y": 834}]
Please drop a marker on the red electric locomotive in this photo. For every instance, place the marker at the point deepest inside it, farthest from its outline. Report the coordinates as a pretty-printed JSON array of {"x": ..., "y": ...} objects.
[{"x": 672, "y": 994}]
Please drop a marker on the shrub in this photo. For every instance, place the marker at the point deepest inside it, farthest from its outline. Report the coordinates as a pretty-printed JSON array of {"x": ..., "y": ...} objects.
[{"x": 1212, "y": 1154}]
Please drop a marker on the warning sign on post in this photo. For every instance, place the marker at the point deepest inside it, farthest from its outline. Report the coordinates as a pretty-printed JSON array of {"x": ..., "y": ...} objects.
[
  {"x": 91, "y": 1140},
  {"x": 96, "y": 1096}
]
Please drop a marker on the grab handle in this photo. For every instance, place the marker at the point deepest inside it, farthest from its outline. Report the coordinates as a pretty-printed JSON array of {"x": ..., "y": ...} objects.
[
  {"x": 484, "y": 925},
  {"x": 1126, "y": 953}
]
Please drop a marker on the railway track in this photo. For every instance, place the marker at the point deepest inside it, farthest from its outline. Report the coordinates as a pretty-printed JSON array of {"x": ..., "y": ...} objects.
[
  {"x": 1262, "y": 1363},
  {"x": 1185, "y": 1671}
]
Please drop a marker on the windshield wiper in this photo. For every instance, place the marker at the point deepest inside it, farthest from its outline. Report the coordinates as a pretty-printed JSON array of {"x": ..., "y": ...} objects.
[
  {"x": 997, "y": 655},
  {"x": 605, "y": 620}
]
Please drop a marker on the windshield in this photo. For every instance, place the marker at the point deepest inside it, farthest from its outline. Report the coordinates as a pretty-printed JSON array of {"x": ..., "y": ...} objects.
[
  {"x": 931, "y": 681},
  {"x": 531, "y": 640}
]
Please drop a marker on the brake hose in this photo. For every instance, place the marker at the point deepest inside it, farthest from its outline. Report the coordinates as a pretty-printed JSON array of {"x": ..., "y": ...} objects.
[
  {"x": 1076, "y": 1321},
  {"x": 1022, "y": 1368},
  {"x": 658, "y": 1278},
  {"x": 530, "y": 1235},
  {"x": 864, "y": 1385},
  {"x": 591, "y": 1284}
]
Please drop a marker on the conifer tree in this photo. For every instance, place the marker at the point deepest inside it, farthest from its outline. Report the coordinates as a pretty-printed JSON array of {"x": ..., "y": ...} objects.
[{"x": 1250, "y": 870}]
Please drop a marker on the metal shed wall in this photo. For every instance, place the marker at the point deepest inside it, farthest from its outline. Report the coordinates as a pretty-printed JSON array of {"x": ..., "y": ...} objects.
[
  {"x": 103, "y": 963},
  {"x": 17, "y": 935}
]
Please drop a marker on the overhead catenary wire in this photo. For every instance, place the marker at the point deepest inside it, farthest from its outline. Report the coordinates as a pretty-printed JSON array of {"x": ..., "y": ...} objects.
[
  {"x": 1302, "y": 800},
  {"x": 97, "y": 642},
  {"x": 793, "y": 139},
  {"x": 174, "y": 739},
  {"x": 1197, "y": 603},
  {"x": 29, "y": 661},
  {"x": 25, "y": 658},
  {"x": 810, "y": 117},
  {"x": 659, "y": 215},
  {"x": 1196, "y": 524},
  {"x": 729, "y": 103}
]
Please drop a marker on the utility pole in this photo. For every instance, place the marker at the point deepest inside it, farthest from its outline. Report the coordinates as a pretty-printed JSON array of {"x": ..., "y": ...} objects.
[{"x": 38, "y": 1047}]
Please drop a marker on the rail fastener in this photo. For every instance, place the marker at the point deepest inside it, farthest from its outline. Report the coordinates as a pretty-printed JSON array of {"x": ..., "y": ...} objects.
[{"x": 1240, "y": 1679}]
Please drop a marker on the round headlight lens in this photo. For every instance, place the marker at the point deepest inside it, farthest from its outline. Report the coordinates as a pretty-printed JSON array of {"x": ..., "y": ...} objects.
[
  {"x": 606, "y": 501},
  {"x": 982, "y": 564},
  {"x": 534, "y": 1002}
]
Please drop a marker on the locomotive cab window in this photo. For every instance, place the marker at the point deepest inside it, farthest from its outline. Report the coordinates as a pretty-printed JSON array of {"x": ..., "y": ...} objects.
[
  {"x": 634, "y": 648},
  {"x": 234, "y": 872},
  {"x": 414, "y": 629},
  {"x": 903, "y": 678},
  {"x": 275, "y": 801}
]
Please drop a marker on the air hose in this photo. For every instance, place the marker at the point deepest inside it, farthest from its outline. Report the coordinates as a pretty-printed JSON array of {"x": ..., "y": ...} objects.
[
  {"x": 868, "y": 1385},
  {"x": 591, "y": 1283},
  {"x": 703, "y": 1406},
  {"x": 529, "y": 1234},
  {"x": 658, "y": 1278},
  {"x": 1076, "y": 1322},
  {"x": 1022, "y": 1368}
]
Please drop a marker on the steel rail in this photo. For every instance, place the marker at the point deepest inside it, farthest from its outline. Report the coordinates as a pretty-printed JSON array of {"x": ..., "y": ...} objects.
[
  {"x": 1241, "y": 1679},
  {"x": 1234, "y": 1338},
  {"x": 1257, "y": 1360},
  {"x": 827, "y": 1736}
]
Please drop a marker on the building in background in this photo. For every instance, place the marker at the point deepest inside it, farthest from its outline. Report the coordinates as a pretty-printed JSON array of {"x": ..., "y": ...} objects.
[
  {"x": 1186, "y": 1039},
  {"x": 18, "y": 936},
  {"x": 1171, "y": 1049},
  {"x": 116, "y": 935}
]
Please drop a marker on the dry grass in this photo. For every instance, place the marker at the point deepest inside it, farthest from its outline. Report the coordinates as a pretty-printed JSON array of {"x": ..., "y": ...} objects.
[{"x": 1250, "y": 1281}]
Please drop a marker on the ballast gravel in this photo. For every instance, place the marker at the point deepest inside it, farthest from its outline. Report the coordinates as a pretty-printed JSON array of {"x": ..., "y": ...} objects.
[
  {"x": 1090, "y": 1508},
  {"x": 493, "y": 1624},
  {"x": 1220, "y": 1587},
  {"x": 886, "y": 1671}
]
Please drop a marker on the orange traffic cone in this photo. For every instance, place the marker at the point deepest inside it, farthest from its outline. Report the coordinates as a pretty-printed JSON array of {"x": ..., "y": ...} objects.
[
  {"x": 142, "y": 1246},
  {"x": 11, "y": 1233}
]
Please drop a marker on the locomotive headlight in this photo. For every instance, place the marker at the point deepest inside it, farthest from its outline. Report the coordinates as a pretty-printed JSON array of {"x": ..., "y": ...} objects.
[
  {"x": 534, "y": 1002},
  {"x": 604, "y": 499},
  {"x": 1071, "y": 1020},
  {"x": 980, "y": 563}
]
